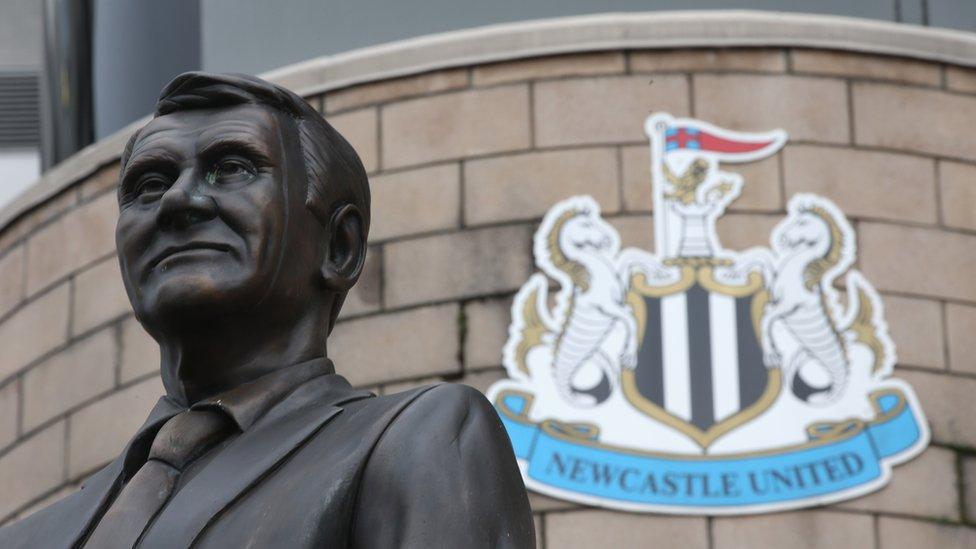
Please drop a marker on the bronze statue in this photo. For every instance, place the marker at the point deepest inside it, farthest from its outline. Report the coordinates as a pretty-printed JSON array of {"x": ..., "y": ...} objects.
[{"x": 242, "y": 225}]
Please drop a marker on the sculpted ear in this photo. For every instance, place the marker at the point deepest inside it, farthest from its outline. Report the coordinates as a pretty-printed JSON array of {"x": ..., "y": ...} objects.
[{"x": 346, "y": 249}]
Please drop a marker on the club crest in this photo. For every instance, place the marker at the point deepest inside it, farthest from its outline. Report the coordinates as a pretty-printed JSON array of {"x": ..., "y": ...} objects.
[{"x": 697, "y": 379}]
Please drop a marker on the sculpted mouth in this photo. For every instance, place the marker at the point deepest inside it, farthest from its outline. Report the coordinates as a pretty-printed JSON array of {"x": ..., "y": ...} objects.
[{"x": 190, "y": 247}]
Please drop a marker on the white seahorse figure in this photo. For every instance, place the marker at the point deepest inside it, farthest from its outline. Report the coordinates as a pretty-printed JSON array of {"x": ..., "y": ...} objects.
[
  {"x": 579, "y": 249},
  {"x": 812, "y": 246}
]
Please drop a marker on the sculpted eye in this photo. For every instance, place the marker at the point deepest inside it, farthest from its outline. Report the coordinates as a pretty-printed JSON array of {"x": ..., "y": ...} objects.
[
  {"x": 150, "y": 186},
  {"x": 230, "y": 171}
]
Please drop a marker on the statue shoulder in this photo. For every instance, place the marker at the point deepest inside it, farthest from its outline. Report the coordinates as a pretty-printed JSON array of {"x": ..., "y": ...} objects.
[
  {"x": 445, "y": 406},
  {"x": 447, "y": 462},
  {"x": 434, "y": 418},
  {"x": 435, "y": 425}
]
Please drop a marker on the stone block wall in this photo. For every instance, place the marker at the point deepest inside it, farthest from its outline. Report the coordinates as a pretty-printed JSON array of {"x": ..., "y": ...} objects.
[{"x": 463, "y": 163}]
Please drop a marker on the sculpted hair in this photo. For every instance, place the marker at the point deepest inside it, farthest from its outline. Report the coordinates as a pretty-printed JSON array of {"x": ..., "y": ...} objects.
[{"x": 334, "y": 174}]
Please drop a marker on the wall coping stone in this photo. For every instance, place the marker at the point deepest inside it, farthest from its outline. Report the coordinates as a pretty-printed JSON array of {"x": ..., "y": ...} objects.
[{"x": 564, "y": 35}]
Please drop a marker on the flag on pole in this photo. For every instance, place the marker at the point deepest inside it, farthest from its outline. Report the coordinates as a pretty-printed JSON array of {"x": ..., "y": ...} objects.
[{"x": 686, "y": 134}]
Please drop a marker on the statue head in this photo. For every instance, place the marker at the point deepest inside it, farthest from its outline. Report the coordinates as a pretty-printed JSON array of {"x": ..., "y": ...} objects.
[{"x": 239, "y": 200}]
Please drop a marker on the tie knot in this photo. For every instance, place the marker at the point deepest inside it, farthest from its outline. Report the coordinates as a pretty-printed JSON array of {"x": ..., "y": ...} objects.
[{"x": 189, "y": 435}]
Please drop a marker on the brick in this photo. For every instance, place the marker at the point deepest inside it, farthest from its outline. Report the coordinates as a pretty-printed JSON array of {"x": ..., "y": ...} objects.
[
  {"x": 916, "y": 328},
  {"x": 604, "y": 110},
  {"x": 139, "y": 354},
  {"x": 398, "y": 88},
  {"x": 99, "y": 296},
  {"x": 51, "y": 208},
  {"x": 874, "y": 67},
  {"x": 488, "y": 322},
  {"x": 13, "y": 233},
  {"x": 925, "y": 486},
  {"x": 864, "y": 183},
  {"x": 961, "y": 79},
  {"x": 538, "y": 68},
  {"x": 889, "y": 116},
  {"x": 703, "y": 60},
  {"x": 897, "y": 533},
  {"x": 809, "y": 109},
  {"x": 99, "y": 431},
  {"x": 807, "y": 530},
  {"x": 918, "y": 260},
  {"x": 961, "y": 327},
  {"x": 32, "y": 468},
  {"x": 467, "y": 264},
  {"x": 969, "y": 487},
  {"x": 12, "y": 283},
  {"x": 537, "y": 524},
  {"x": 9, "y": 405},
  {"x": 958, "y": 193},
  {"x": 107, "y": 177},
  {"x": 946, "y": 401},
  {"x": 415, "y": 201},
  {"x": 402, "y": 345},
  {"x": 454, "y": 125},
  {"x": 525, "y": 186},
  {"x": 593, "y": 528},
  {"x": 483, "y": 379},
  {"x": 635, "y": 231},
  {"x": 761, "y": 189},
  {"x": 39, "y": 215},
  {"x": 741, "y": 231},
  {"x": 541, "y": 504},
  {"x": 401, "y": 386},
  {"x": 32, "y": 331},
  {"x": 317, "y": 102},
  {"x": 79, "y": 237},
  {"x": 69, "y": 378},
  {"x": 638, "y": 189},
  {"x": 479, "y": 380},
  {"x": 365, "y": 296},
  {"x": 360, "y": 130}
]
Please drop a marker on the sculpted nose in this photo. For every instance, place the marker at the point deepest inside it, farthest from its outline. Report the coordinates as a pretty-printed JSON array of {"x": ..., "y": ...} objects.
[{"x": 182, "y": 206}]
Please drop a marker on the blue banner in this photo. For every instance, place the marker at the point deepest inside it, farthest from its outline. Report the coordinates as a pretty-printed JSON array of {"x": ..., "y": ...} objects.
[{"x": 839, "y": 457}]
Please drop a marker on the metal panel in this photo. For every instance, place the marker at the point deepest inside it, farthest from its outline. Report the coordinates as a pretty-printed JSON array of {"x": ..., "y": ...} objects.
[{"x": 19, "y": 117}]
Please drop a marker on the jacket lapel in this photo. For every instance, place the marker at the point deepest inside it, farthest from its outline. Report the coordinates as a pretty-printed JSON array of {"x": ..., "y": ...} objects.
[
  {"x": 103, "y": 485},
  {"x": 247, "y": 460}
]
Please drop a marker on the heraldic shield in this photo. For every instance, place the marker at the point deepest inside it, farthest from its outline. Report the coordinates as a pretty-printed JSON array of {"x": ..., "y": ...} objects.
[
  {"x": 700, "y": 361},
  {"x": 695, "y": 378}
]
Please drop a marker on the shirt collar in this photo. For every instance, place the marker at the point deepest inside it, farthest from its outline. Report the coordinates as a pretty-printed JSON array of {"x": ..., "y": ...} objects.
[{"x": 246, "y": 403}]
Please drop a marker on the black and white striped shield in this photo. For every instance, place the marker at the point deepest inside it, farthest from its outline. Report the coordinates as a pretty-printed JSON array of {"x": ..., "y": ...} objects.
[{"x": 700, "y": 366}]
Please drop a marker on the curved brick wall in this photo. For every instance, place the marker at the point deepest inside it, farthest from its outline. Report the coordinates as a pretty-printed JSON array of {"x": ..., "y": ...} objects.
[{"x": 463, "y": 164}]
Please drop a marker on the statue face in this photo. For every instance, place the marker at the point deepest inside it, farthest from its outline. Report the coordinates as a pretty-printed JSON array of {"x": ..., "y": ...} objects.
[{"x": 207, "y": 203}]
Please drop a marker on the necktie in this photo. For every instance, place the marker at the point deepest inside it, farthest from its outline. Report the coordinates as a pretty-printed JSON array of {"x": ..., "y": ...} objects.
[{"x": 181, "y": 440}]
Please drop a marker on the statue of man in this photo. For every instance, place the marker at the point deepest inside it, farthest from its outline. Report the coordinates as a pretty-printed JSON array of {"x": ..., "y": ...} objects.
[{"x": 242, "y": 224}]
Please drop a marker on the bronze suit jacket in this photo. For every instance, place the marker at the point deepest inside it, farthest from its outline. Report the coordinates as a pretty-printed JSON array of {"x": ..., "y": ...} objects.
[{"x": 329, "y": 466}]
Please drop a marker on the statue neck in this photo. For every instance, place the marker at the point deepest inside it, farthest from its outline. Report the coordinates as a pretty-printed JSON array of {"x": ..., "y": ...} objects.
[{"x": 216, "y": 355}]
